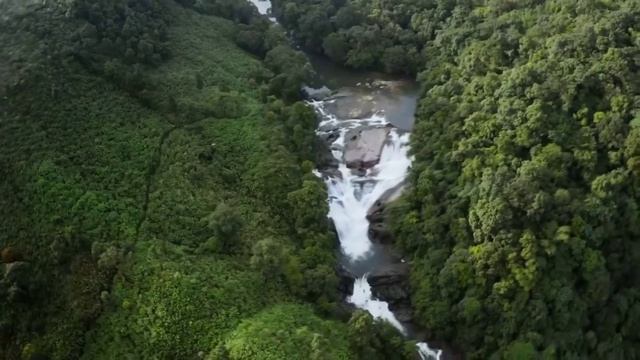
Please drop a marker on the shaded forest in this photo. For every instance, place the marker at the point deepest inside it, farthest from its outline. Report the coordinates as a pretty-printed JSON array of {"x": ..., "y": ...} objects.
[
  {"x": 157, "y": 197},
  {"x": 522, "y": 220}
]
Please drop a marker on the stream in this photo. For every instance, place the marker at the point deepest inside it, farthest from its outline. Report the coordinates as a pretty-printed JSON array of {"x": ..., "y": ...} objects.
[{"x": 365, "y": 121}]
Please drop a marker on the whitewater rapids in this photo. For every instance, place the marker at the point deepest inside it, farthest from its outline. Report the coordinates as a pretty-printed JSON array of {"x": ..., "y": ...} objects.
[{"x": 352, "y": 194}]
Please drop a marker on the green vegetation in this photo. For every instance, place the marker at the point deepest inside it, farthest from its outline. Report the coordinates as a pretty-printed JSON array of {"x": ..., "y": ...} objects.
[
  {"x": 363, "y": 34},
  {"x": 522, "y": 218},
  {"x": 284, "y": 332},
  {"x": 156, "y": 197}
]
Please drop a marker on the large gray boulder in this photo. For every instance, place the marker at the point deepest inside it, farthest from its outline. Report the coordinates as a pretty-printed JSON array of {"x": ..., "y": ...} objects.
[
  {"x": 363, "y": 147},
  {"x": 316, "y": 93},
  {"x": 390, "y": 283},
  {"x": 389, "y": 274}
]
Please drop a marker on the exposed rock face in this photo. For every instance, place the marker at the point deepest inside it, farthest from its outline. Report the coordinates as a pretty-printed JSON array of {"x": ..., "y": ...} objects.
[
  {"x": 390, "y": 274},
  {"x": 347, "y": 279},
  {"x": 316, "y": 94},
  {"x": 380, "y": 233},
  {"x": 330, "y": 137},
  {"x": 324, "y": 158},
  {"x": 403, "y": 313},
  {"x": 376, "y": 212},
  {"x": 391, "y": 284},
  {"x": 363, "y": 147}
]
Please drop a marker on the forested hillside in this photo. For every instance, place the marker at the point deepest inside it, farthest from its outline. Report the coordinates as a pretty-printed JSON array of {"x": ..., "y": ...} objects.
[
  {"x": 156, "y": 195},
  {"x": 157, "y": 199},
  {"x": 523, "y": 217},
  {"x": 524, "y": 214}
]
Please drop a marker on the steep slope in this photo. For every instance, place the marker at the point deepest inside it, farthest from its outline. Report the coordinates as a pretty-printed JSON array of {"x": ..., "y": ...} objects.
[
  {"x": 523, "y": 216},
  {"x": 152, "y": 193}
]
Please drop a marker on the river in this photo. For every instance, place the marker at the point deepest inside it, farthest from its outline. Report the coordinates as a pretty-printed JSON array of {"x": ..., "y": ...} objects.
[{"x": 365, "y": 121}]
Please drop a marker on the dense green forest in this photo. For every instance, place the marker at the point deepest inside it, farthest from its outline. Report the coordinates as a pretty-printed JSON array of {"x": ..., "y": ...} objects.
[
  {"x": 156, "y": 195},
  {"x": 157, "y": 201},
  {"x": 523, "y": 220}
]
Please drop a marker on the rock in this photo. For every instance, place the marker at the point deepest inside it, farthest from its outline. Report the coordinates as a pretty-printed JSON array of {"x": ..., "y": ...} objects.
[
  {"x": 14, "y": 282},
  {"x": 394, "y": 255},
  {"x": 389, "y": 275},
  {"x": 326, "y": 161},
  {"x": 331, "y": 172},
  {"x": 403, "y": 314},
  {"x": 324, "y": 157},
  {"x": 329, "y": 127},
  {"x": 316, "y": 94},
  {"x": 393, "y": 294},
  {"x": 347, "y": 279},
  {"x": 390, "y": 283},
  {"x": 376, "y": 212},
  {"x": 363, "y": 147},
  {"x": 330, "y": 137},
  {"x": 360, "y": 173},
  {"x": 379, "y": 233}
]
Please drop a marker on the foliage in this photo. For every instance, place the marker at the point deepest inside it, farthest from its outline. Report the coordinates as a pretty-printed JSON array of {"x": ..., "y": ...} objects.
[
  {"x": 177, "y": 309},
  {"x": 61, "y": 198},
  {"x": 116, "y": 196},
  {"x": 522, "y": 217},
  {"x": 292, "y": 69},
  {"x": 117, "y": 38},
  {"x": 288, "y": 332},
  {"x": 359, "y": 34},
  {"x": 374, "y": 340}
]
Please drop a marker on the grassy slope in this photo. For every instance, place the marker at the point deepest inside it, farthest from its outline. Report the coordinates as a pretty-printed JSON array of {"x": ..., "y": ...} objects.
[
  {"x": 178, "y": 304},
  {"x": 74, "y": 167},
  {"x": 88, "y": 167}
]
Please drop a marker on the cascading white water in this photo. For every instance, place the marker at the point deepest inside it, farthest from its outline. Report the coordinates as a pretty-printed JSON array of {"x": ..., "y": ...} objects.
[
  {"x": 363, "y": 299},
  {"x": 264, "y": 8},
  {"x": 427, "y": 353},
  {"x": 351, "y": 196}
]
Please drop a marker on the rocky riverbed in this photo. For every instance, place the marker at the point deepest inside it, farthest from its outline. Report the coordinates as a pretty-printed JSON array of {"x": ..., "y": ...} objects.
[{"x": 365, "y": 167}]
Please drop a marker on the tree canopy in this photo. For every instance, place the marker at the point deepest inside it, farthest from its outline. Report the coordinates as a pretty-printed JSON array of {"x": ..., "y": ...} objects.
[{"x": 523, "y": 216}]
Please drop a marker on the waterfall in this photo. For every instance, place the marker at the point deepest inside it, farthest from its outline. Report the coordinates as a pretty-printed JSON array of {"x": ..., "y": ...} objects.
[
  {"x": 427, "y": 353},
  {"x": 352, "y": 193},
  {"x": 264, "y": 8},
  {"x": 363, "y": 299}
]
